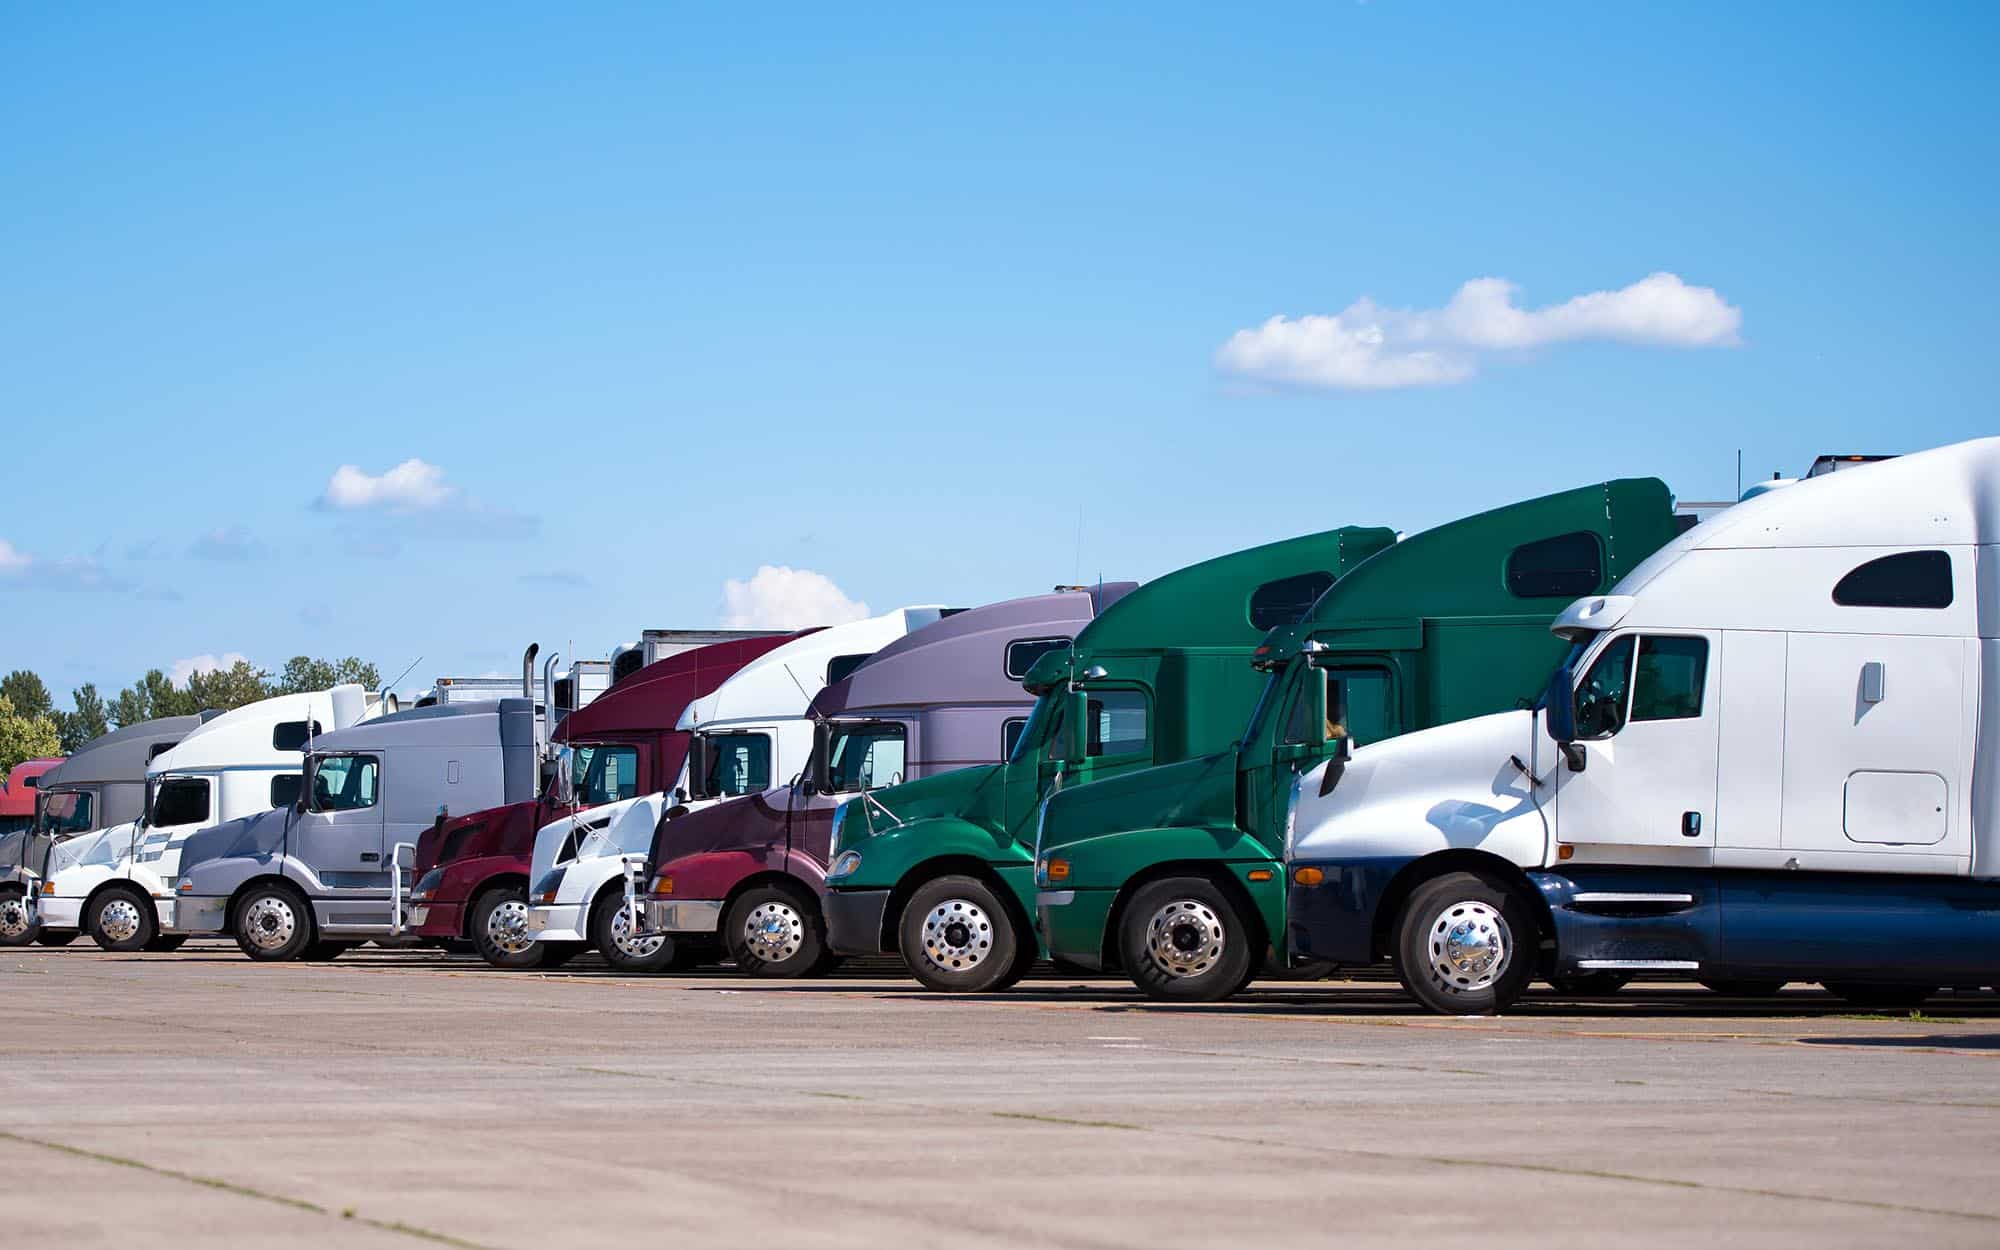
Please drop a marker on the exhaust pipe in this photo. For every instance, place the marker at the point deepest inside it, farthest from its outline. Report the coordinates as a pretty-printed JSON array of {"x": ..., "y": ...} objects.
[{"x": 528, "y": 670}]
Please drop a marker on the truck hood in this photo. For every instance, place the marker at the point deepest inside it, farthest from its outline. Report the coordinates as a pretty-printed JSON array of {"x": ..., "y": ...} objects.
[
  {"x": 746, "y": 820},
  {"x": 972, "y": 794},
  {"x": 90, "y": 848},
  {"x": 1187, "y": 793},
  {"x": 1450, "y": 787},
  {"x": 262, "y": 834},
  {"x": 621, "y": 828}
]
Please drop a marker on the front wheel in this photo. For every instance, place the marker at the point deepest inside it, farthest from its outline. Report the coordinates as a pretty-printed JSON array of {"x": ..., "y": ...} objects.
[
  {"x": 18, "y": 926},
  {"x": 121, "y": 920},
  {"x": 1184, "y": 938},
  {"x": 273, "y": 924},
  {"x": 777, "y": 931},
  {"x": 611, "y": 933},
  {"x": 500, "y": 929},
  {"x": 1879, "y": 994},
  {"x": 1465, "y": 945},
  {"x": 958, "y": 937}
]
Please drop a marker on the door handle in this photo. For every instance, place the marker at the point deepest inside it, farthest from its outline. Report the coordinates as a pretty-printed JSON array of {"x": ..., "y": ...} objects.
[{"x": 1690, "y": 824}]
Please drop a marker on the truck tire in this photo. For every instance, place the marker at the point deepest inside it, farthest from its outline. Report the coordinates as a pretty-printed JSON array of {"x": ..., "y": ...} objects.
[
  {"x": 56, "y": 937},
  {"x": 272, "y": 924},
  {"x": 121, "y": 919},
  {"x": 958, "y": 937},
  {"x": 610, "y": 934},
  {"x": 500, "y": 929},
  {"x": 167, "y": 943},
  {"x": 1590, "y": 984},
  {"x": 1183, "y": 938},
  {"x": 18, "y": 927},
  {"x": 777, "y": 931},
  {"x": 1743, "y": 989},
  {"x": 1465, "y": 945},
  {"x": 1880, "y": 994}
]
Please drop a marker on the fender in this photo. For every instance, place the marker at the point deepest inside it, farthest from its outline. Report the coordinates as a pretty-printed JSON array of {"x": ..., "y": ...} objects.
[
  {"x": 891, "y": 854},
  {"x": 1113, "y": 866},
  {"x": 710, "y": 874}
]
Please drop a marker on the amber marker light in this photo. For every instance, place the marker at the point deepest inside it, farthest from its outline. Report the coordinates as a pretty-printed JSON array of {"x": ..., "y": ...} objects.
[
  {"x": 1309, "y": 876},
  {"x": 1259, "y": 874},
  {"x": 1564, "y": 852},
  {"x": 1058, "y": 870},
  {"x": 663, "y": 885}
]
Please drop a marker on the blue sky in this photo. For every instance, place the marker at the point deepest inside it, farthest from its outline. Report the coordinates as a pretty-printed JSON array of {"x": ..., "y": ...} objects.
[{"x": 661, "y": 296}]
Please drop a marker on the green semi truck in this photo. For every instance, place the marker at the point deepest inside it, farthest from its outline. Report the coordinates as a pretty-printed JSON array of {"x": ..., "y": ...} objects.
[
  {"x": 941, "y": 869},
  {"x": 1174, "y": 874}
]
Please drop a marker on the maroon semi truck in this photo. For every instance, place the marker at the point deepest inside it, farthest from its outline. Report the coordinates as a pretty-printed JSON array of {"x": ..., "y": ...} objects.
[{"x": 472, "y": 870}]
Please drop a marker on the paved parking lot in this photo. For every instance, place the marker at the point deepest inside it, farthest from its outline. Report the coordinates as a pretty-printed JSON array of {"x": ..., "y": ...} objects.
[{"x": 395, "y": 1097}]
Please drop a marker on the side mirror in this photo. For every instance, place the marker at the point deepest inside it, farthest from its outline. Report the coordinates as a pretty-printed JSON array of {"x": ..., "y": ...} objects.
[
  {"x": 1559, "y": 706},
  {"x": 820, "y": 772},
  {"x": 1076, "y": 727}
]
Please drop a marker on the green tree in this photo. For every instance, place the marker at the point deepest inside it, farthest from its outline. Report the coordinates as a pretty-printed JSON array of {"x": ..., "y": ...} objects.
[
  {"x": 90, "y": 720},
  {"x": 28, "y": 695},
  {"x": 227, "y": 688},
  {"x": 150, "y": 697},
  {"x": 302, "y": 673},
  {"x": 25, "y": 737}
]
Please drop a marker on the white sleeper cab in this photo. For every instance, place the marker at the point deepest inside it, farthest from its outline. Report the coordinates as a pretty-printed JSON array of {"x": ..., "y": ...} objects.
[
  {"x": 245, "y": 761},
  {"x": 1769, "y": 757}
]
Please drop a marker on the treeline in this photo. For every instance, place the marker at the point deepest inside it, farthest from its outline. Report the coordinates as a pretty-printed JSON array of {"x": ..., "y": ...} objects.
[{"x": 30, "y": 725}]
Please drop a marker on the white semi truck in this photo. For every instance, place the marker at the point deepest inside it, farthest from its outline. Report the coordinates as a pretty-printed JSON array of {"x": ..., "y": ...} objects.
[
  {"x": 247, "y": 760},
  {"x": 1770, "y": 756},
  {"x": 747, "y": 735}
]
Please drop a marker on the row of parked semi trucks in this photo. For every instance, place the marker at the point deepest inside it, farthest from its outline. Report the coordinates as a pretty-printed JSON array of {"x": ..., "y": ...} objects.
[{"x": 1580, "y": 738}]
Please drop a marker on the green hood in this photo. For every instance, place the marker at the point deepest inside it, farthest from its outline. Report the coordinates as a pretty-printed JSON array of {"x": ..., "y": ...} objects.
[
  {"x": 1188, "y": 793},
  {"x": 971, "y": 794}
]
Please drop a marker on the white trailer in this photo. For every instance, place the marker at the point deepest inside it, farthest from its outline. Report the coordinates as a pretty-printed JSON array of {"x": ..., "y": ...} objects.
[
  {"x": 1769, "y": 757},
  {"x": 748, "y": 734}
]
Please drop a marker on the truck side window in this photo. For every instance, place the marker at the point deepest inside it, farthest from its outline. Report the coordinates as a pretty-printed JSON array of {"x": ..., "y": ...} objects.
[
  {"x": 345, "y": 783},
  {"x": 285, "y": 789},
  {"x": 1287, "y": 600},
  {"x": 1562, "y": 567},
  {"x": 1358, "y": 708},
  {"x": 742, "y": 764},
  {"x": 1668, "y": 682},
  {"x": 1601, "y": 698},
  {"x": 1908, "y": 579},
  {"x": 180, "y": 801},
  {"x": 1023, "y": 652},
  {"x": 606, "y": 774},
  {"x": 1010, "y": 735},
  {"x": 292, "y": 735},
  {"x": 1117, "y": 722}
]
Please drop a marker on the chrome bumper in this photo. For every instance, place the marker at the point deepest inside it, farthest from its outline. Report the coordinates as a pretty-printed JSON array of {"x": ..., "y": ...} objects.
[{"x": 680, "y": 916}]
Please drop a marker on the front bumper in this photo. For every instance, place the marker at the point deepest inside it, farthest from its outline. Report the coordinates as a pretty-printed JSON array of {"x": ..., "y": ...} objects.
[
  {"x": 854, "y": 921},
  {"x": 59, "y": 913},
  {"x": 196, "y": 913},
  {"x": 1072, "y": 924},
  {"x": 435, "y": 918},
  {"x": 557, "y": 923},
  {"x": 680, "y": 915}
]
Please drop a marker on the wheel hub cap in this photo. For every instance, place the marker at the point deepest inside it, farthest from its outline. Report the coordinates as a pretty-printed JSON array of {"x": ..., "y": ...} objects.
[
  {"x": 774, "y": 932},
  {"x": 1186, "y": 938},
  {"x": 507, "y": 927},
  {"x": 119, "y": 920},
  {"x": 13, "y": 917},
  {"x": 1469, "y": 946},
  {"x": 958, "y": 935},
  {"x": 629, "y": 946},
  {"x": 269, "y": 923}
]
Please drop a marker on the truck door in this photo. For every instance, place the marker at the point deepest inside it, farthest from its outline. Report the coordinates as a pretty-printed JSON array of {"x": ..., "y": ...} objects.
[
  {"x": 181, "y": 806},
  {"x": 861, "y": 755},
  {"x": 341, "y": 830},
  {"x": 1647, "y": 719}
]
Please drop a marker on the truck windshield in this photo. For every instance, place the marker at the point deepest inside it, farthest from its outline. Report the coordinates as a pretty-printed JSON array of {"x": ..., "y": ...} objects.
[
  {"x": 606, "y": 773},
  {"x": 864, "y": 755},
  {"x": 65, "y": 812}
]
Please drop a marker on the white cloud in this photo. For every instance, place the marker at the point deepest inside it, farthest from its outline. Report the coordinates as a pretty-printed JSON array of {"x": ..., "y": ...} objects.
[
  {"x": 230, "y": 544},
  {"x": 777, "y": 597},
  {"x": 13, "y": 561},
  {"x": 412, "y": 486},
  {"x": 179, "y": 672},
  {"x": 1368, "y": 347},
  {"x": 29, "y": 572}
]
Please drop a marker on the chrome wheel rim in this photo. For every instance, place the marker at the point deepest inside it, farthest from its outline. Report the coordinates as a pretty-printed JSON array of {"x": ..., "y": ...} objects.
[
  {"x": 507, "y": 927},
  {"x": 958, "y": 935},
  {"x": 269, "y": 923},
  {"x": 1469, "y": 946},
  {"x": 1186, "y": 938},
  {"x": 118, "y": 920},
  {"x": 13, "y": 917},
  {"x": 774, "y": 931},
  {"x": 629, "y": 946}
]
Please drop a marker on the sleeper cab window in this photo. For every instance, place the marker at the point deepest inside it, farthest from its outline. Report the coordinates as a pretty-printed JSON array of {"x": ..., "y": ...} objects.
[
  {"x": 1117, "y": 722},
  {"x": 1908, "y": 579},
  {"x": 181, "y": 801},
  {"x": 1564, "y": 567},
  {"x": 1023, "y": 652},
  {"x": 285, "y": 789},
  {"x": 843, "y": 666},
  {"x": 292, "y": 735},
  {"x": 1286, "y": 600},
  {"x": 1010, "y": 735}
]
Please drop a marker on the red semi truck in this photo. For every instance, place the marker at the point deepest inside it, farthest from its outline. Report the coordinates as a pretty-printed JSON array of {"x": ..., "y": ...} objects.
[
  {"x": 472, "y": 870},
  {"x": 17, "y": 797}
]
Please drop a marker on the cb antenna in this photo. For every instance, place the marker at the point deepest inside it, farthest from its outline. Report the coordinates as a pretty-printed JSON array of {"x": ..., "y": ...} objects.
[{"x": 406, "y": 671}]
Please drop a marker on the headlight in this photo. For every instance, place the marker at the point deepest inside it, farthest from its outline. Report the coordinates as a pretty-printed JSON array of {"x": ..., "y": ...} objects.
[{"x": 845, "y": 864}]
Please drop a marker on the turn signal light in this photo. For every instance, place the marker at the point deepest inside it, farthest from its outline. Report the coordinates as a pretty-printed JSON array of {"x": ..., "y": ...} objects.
[
  {"x": 1309, "y": 876},
  {"x": 1564, "y": 852},
  {"x": 548, "y": 896},
  {"x": 48, "y": 887},
  {"x": 663, "y": 884},
  {"x": 1259, "y": 874},
  {"x": 1058, "y": 870}
]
